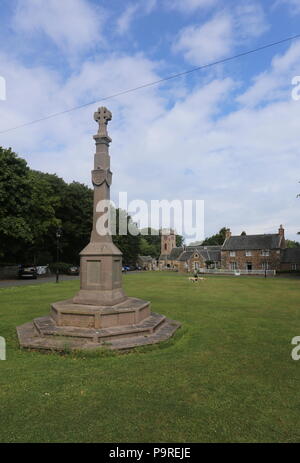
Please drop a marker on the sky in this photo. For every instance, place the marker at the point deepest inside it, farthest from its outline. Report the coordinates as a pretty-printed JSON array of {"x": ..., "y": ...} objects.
[{"x": 228, "y": 134}]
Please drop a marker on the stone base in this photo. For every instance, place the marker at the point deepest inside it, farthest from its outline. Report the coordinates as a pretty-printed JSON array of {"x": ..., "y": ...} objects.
[
  {"x": 74, "y": 326},
  {"x": 129, "y": 312},
  {"x": 44, "y": 334}
]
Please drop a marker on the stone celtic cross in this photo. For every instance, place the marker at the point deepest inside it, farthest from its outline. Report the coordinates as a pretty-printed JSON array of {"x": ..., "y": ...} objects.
[{"x": 102, "y": 116}]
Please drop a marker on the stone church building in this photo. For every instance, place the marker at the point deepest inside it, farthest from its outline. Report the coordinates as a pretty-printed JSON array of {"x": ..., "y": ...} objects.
[{"x": 244, "y": 252}]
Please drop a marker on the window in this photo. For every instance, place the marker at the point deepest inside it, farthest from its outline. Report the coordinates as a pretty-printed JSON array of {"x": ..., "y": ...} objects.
[
  {"x": 294, "y": 266},
  {"x": 248, "y": 253},
  {"x": 265, "y": 252},
  {"x": 233, "y": 266},
  {"x": 265, "y": 265},
  {"x": 232, "y": 253}
]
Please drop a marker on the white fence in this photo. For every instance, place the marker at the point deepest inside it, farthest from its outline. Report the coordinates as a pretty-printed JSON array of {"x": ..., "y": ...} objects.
[{"x": 221, "y": 271}]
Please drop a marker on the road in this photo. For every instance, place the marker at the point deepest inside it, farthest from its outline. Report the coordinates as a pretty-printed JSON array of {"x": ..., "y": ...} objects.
[{"x": 38, "y": 281}]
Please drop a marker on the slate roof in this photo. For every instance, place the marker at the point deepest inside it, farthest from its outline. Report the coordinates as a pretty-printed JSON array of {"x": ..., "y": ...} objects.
[
  {"x": 146, "y": 258},
  {"x": 215, "y": 255},
  {"x": 175, "y": 253},
  {"x": 247, "y": 242},
  {"x": 186, "y": 255},
  {"x": 212, "y": 253},
  {"x": 209, "y": 248},
  {"x": 181, "y": 254},
  {"x": 291, "y": 256}
]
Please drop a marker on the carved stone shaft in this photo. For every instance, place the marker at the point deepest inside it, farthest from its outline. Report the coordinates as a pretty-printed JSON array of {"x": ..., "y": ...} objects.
[{"x": 101, "y": 260}]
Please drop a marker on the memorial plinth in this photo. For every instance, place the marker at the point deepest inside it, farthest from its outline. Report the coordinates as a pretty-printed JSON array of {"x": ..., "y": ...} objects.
[{"x": 100, "y": 313}]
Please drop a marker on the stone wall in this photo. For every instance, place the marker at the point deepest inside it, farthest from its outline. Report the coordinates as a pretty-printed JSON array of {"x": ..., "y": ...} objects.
[
  {"x": 288, "y": 266},
  {"x": 256, "y": 258}
]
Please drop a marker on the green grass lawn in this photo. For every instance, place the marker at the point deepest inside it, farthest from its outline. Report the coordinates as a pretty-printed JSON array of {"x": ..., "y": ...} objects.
[{"x": 226, "y": 376}]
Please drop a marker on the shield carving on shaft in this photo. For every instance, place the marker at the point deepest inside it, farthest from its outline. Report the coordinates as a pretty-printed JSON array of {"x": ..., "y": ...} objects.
[
  {"x": 100, "y": 176},
  {"x": 108, "y": 177}
]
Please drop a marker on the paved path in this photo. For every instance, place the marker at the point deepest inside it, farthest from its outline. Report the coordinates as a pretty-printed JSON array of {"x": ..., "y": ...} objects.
[{"x": 38, "y": 281}]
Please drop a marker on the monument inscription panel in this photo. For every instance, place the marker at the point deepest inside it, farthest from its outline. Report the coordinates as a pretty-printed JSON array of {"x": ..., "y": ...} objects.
[{"x": 94, "y": 272}]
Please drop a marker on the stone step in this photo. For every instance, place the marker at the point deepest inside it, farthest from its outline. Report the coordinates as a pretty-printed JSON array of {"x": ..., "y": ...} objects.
[
  {"x": 47, "y": 327},
  {"x": 145, "y": 328},
  {"x": 163, "y": 333},
  {"x": 30, "y": 338}
]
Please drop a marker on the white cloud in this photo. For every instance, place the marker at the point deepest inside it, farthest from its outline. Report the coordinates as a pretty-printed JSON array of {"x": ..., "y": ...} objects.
[
  {"x": 131, "y": 12},
  {"x": 275, "y": 83},
  {"x": 208, "y": 42},
  {"x": 217, "y": 37},
  {"x": 244, "y": 163},
  {"x": 124, "y": 21},
  {"x": 249, "y": 20},
  {"x": 188, "y": 6},
  {"x": 71, "y": 24}
]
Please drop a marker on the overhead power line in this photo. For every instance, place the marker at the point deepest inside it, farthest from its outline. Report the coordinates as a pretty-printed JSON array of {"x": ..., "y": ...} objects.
[{"x": 155, "y": 82}]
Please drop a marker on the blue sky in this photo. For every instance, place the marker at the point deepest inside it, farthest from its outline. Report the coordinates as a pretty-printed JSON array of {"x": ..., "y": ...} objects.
[{"x": 228, "y": 135}]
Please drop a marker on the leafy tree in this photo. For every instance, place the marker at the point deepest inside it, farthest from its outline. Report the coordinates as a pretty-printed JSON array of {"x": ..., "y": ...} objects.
[
  {"x": 147, "y": 249},
  {"x": 129, "y": 244},
  {"x": 75, "y": 211},
  {"x": 292, "y": 244},
  {"x": 26, "y": 208},
  {"x": 150, "y": 242},
  {"x": 217, "y": 239},
  {"x": 179, "y": 241}
]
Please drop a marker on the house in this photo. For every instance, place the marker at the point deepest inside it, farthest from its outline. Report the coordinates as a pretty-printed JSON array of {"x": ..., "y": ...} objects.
[
  {"x": 249, "y": 253},
  {"x": 187, "y": 258},
  {"x": 195, "y": 258},
  {"x": 253, "y": 252},
  {"x": 146, "y": 262},
  {"x": 290, "y": 259}
]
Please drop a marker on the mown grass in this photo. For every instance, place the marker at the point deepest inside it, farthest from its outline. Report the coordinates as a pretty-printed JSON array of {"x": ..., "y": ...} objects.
[{"x": 227, "y": 376}]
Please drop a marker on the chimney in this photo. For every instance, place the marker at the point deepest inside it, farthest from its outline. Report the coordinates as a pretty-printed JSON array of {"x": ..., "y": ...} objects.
[
  {"x": 281, "y": 231},
  {"x": 228, "y": 233}
]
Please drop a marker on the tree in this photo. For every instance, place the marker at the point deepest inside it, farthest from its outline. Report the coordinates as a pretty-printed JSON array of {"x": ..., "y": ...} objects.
[
  {"x": 147, "y": 249},
  {"x": 128, "y": 244},
  {"x": 179, "y": 241},
  {"x": 292, "y": 244},
  {"x": 150, "y": 242},
  {"x": 26, "y": 208},
  {"x": 75, "y": 211},
  {"x": 217, "y": 239}
]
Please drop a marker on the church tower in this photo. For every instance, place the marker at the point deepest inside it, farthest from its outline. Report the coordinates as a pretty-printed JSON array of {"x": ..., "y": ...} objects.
[{"x": 168, "y": 242}]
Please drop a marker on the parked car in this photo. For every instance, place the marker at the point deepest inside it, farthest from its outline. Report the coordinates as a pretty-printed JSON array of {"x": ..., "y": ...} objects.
[
  {"x": 132, "y": 267},
  {"x": 27, "y": 271},
  {"x": 74, "y": 270}
]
